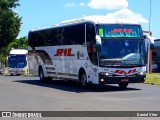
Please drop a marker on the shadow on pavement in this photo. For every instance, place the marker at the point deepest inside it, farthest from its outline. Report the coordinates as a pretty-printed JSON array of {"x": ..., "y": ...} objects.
[{"x": 72, "y": 86}]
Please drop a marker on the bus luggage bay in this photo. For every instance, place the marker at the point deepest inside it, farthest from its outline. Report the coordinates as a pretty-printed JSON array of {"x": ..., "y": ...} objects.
[{"x": 89, "y": 50}]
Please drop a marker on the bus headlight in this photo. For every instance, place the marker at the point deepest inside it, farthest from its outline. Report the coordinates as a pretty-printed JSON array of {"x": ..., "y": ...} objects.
[
  {"x": 142, "y": 73},
  {"x": 105, "y": 73}
]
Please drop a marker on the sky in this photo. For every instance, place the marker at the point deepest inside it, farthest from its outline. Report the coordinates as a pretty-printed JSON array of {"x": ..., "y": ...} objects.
[{"x": 45, "y": 13}]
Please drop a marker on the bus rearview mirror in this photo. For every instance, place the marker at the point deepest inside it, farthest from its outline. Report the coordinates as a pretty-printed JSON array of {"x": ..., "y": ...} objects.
[{"x": 98, "y": 43}]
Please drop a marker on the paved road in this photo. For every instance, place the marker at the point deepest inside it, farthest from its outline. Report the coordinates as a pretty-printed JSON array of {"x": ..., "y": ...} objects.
[{"x": 29, "y": 94}]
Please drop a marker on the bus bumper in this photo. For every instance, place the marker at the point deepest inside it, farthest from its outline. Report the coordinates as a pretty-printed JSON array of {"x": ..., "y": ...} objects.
[
  {"x": 16, "y": 71},
  {"x": 103, "y": 79}
]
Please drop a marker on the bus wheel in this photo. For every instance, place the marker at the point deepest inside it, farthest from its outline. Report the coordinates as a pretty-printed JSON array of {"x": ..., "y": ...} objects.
[
  {"x": 123, "y": 85},
  {"x": 83, "y": 80},
  {"x": 41, "y": 76}
]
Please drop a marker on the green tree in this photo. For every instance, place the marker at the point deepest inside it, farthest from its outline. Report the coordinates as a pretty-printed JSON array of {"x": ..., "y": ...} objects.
[
  {"x": 10, "y": 23},
  {"x": 21, "y": 43}
]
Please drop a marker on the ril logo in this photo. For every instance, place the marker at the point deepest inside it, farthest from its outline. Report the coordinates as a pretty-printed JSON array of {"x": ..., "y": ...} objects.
[
  {"x": 122, "y": 72},
  {"x": 64, "y": 52}
]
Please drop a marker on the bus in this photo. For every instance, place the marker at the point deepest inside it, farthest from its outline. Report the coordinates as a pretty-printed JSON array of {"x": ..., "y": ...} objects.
[
  {"x": 156, "y": 56},
  {"x": 89, "y": 50},
  {"x": 17, "y": 62}
]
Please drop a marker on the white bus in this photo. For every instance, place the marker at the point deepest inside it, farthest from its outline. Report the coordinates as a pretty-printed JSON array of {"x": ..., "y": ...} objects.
[
  {"x": 89, "y": 51},
  {"x": 17, "y": 62}
]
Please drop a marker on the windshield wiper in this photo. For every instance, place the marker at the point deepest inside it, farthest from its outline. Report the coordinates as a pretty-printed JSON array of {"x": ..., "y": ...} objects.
[
  {"x": 115, "y": 61},
  {"x": 107, "y": 62},
  {"x": 119, "y": 62}
]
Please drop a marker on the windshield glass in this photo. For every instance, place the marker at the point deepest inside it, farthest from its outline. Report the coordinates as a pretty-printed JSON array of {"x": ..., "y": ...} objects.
[
  {"x": 120, "y": 30},
  {"x": 122, "y": 52},
  {"x": 17, "y": 61}
]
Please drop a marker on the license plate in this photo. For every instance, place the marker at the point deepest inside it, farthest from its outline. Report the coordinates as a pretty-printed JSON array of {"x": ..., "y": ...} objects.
[{"x": 124, "y": 80}]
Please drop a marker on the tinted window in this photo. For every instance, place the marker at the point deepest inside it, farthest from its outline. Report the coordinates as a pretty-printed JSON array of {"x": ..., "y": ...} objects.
[
  {"x": 79, "y": 34},
  {"x": 68, "y": 35},
  {"x": 74, "y": 34}
]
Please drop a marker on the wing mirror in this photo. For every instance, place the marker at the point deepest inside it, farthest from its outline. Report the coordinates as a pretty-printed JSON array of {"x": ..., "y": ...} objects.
[{"x": 98, "y": 43}]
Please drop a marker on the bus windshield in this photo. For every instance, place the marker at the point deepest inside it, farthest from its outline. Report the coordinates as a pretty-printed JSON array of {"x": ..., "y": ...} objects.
[
  {"x": 17, "y": 61},
  {"x": 123, "y": 52},
  {"x": 122, "y": 45}
]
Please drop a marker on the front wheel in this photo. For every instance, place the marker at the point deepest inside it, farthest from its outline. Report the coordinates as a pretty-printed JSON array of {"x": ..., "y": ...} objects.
[
  {"x": 83, "y": 80},
  {"x": 123, "y": 85}
]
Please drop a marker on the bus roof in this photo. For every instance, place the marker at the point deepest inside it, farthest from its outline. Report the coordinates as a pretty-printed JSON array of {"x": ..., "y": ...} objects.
[
  {"x": 18, "y": 51},
  {"x": 94, "y": 19},
  {"x": 98, "y": 19}
]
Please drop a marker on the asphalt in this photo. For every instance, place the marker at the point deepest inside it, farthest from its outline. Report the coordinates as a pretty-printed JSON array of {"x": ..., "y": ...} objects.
[{"x": 18, "y": 93}]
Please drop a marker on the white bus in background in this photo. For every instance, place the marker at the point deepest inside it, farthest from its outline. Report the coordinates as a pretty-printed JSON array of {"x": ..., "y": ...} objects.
[
  {"x": 89, "y": 50},
  {"x": 17, "y": 62}
]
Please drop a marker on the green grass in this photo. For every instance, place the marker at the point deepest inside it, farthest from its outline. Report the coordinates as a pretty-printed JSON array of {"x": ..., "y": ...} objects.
[{"x": 153, "y": 79}]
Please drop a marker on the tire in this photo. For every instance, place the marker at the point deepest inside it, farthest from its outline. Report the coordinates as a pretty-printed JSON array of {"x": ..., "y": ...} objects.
[
  {"x": 123, "y": 85},
  {"x": 42, "y": 78},
  {"x": 83, "y": 80}
]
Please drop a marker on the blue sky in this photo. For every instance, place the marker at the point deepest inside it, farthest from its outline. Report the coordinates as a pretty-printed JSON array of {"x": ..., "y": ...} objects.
[{"x": 44, "y": 13}]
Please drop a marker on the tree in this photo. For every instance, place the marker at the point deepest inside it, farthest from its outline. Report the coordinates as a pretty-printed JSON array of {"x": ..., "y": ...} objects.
[
  {"x": 18, "y": 44},
  {"x": 10, "y": 22}
]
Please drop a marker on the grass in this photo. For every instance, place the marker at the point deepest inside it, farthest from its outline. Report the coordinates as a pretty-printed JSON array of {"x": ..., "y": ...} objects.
[{"x": 153, "y": 79}]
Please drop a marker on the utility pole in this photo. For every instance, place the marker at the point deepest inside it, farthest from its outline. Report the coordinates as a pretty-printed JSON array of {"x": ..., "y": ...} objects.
[
  {"x": 150, "y": 33},
  {"x": 150, "y": 56}
]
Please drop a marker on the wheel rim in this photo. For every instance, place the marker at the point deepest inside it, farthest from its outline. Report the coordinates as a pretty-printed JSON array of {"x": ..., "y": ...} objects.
[{"x": 84, "y": 80}]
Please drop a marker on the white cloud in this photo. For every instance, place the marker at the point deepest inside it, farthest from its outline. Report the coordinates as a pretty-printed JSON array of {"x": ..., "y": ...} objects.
[
  {"x": 126, "y": 14},
  {"x": 123, "y": 15},
  {"x": 74, "y": 4},
  {"x": 70, "y": 4},
  {"x": 82, "y": 4},
  {"x": 108, "y": 4}
]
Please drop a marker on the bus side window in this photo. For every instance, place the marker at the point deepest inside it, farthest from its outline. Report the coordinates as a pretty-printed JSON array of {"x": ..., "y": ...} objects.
[
  {"x": 58, "y": 34},
  {"x": 66, "y": 33},
  {"x": 48, "y": 38},
  {"x": 53, "y": 35},
  {"x": 30, "y": 39},
  {"x": 78, "y": 34}
]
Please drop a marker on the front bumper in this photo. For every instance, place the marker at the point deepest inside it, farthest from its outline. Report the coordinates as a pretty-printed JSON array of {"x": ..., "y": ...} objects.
[
  {"x": 16, "y": 71},
  {"x": 103, "y": 79}
]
